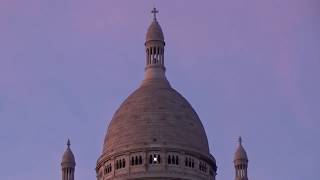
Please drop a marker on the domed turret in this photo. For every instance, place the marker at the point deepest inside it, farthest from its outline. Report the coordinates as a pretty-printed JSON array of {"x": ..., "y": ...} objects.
[
  {"x": 241, "y": 153},
  {"x": 68, "y": 157},
  {"x": 155, "y": 67},
  {"x": 154, "y": 32},
  {"x": 68, "y": 164},
  {"x": 241, "y": 162}
]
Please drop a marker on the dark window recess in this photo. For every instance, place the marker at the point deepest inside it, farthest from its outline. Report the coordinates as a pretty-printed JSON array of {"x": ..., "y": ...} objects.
[
  {"x": 203, "y": 167},
  {"x": 136, "y": 160},
  {"x": 108, "y": 169},
  {"x": 121, "y": 163},
  {"x": 189, "y": 162},
  {"x": 172, "y": 159}
]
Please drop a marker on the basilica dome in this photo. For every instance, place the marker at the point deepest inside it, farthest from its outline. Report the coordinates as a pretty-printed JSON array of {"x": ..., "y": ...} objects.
[
  {"x": 156, "y": 114},
  {"x": 155, "y": 133}
]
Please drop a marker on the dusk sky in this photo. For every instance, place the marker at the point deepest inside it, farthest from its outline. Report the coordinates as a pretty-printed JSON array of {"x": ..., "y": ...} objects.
[{"x": 248, "y": 67}]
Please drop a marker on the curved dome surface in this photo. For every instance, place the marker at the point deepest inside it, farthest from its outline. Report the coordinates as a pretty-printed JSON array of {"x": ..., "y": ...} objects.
[
  {"x": 155, "y": 114},
  {"x": 68, "y": 157},
  {"x": 154, "y": 32},
  {"x": 240, "y": 154}
]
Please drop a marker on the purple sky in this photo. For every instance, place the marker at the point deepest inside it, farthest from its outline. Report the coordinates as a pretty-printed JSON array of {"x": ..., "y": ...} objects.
[{"x": 248, "y": 67}]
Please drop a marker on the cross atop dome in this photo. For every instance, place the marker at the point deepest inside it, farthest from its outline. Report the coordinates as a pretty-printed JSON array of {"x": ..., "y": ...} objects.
[
  {"x": 240, "y": 140},
  {"x": 154, "y": 12}
]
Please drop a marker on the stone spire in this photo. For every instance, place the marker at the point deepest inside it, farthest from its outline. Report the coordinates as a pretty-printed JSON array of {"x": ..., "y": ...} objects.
[
  {"x": 68, "y": 164},
  {"x": 241, "y": 162},
  {"x": 154, "y": 46}
]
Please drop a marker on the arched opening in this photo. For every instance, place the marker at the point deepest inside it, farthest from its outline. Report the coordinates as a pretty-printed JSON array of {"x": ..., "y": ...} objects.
[
  {"x": 136, "y": 160},
  {"x": 140, "y": 160},
  {"x": 159, "y": 160},
  {"x": 150, "y": 159}
]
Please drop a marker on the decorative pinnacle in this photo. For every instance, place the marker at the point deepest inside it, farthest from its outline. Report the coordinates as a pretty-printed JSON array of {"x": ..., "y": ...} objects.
[
  {"x": 240, "y": 140},
  {"x": 154, "y": 12},
  {"x": 68, "y": 143}
]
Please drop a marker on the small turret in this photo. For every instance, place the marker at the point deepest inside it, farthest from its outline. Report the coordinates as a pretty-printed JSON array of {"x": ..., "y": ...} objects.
[
  {"x": 68, "y": 164},
  {"x": 241, "y": 162}
]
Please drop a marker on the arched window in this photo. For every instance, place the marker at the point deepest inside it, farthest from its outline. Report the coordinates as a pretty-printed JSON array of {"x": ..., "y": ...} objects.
[
  {"x": 123, "y": 163},
  {"x": 132, "y": 161},
  {"x": 147, "y": 52},
  {"x": 140, "y": 160},
  {"x": 169, "y": 159},
  {"x": 136, "y": 160},
  {"x": 154, "y": 159},
  {"x": 177, "y": 160},
  {"x": 159, "y": 159},
  {"x": 150, "y": 159}
]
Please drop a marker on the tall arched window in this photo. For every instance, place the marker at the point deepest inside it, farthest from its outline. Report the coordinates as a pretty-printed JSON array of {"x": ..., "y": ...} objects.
[
  {"x": 177, "y": 160},
  {"x": 140, "y": 160},
  {"x": 150, "y": 159},
  {"x": 136, "y": 160}
]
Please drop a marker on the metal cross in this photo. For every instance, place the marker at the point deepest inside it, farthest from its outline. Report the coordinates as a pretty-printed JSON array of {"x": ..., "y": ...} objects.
[{"x": 154, "y": 12}]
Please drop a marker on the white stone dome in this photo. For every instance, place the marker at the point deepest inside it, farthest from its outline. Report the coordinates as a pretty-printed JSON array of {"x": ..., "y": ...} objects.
[{"x": 156, "y": 114}]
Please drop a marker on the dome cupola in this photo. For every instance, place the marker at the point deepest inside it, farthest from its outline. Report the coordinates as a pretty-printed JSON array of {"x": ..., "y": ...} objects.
[
  {"x": 154, "y": 46},
  {"x": 240, "y": 153},
  {"x": 68, "y": 164},
  {"x": 154, "y": 32},
  {"x": 241, "y": 162},
  {"x": 68, "y": 157}
]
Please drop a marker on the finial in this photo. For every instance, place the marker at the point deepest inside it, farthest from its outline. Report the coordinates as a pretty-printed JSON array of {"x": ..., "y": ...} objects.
[
  {"x": 154, "y": 12},
  {"x": 68, "y": 143},
  {"x": 240, "y": 140}
]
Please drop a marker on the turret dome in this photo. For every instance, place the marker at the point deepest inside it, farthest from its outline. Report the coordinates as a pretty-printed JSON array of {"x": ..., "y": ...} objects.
[
  {"x": 154, "y": 32},
  {"x": 68, "y": 157},
  {"x": 240, "y": 153}
]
